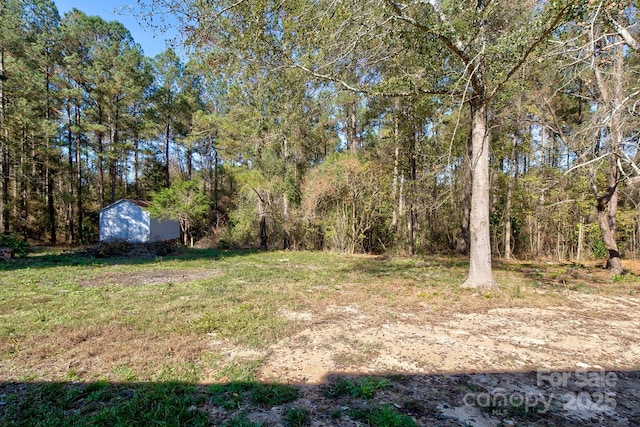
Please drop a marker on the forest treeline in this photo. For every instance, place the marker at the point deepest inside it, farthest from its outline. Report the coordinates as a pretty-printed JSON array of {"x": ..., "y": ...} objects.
[{"x": 249, "y": 142}]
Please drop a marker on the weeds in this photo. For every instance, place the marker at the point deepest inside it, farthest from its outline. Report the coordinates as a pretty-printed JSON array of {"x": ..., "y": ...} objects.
[
  {"x": 297, "y": 417},
  {"x": 381, "y": 416},
  {"x": 364, "y": 388},
  {"x": 273, "y": 394}
]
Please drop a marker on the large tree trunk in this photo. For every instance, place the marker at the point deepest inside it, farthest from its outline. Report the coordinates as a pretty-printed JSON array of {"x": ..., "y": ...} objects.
[
  {"x": 480, "y": 274},
  {"x": 607, "y": 204},
  {"x": 614, "y": 262}
]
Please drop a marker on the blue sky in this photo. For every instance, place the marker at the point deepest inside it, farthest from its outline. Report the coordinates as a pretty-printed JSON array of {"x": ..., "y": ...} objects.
[{"x": 152, "y": 41}]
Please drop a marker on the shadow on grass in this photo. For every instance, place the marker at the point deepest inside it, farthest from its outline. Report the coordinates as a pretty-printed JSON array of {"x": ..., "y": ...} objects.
[
  {"x": 78, "y": 258},
  {"x": 556, "y": 275},
  {"x": 384, "y": 265},
  {"x": 531, "y": 398}
]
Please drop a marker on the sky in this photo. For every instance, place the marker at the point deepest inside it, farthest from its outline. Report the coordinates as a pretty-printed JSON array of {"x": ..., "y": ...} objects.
[{"x": 151, "y": 40}]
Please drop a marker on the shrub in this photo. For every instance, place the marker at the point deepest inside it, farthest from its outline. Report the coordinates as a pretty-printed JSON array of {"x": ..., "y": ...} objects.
[{"x": 11, "y": 240}]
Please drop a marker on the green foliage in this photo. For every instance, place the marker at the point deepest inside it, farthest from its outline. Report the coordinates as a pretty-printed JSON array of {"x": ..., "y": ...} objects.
[
  {"x": 342, "y": 197},
  {"x": 241, "y": 421},
  {"x": 229, "y": 396},
  {"x": 56, "y": 404},
  {"x": 184, "y": 201},
  {"x": 382, "y": 416},
  {"x": 273, "y": 394},
  {"x": 364, "y": 387},
  {"x": 297, "y": 417},
  {"x": 11, "y": 240},
  {"x": 593, "y": 238},
  {"x": 246, "y": 323}
]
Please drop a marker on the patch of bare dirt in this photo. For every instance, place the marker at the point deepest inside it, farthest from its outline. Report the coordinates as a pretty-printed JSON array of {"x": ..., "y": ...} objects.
[
  {"x": 157, "y": 277},
  {"x": 576, "y": 364}
]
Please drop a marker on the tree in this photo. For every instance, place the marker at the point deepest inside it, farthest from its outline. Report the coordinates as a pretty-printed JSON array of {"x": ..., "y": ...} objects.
[
  {"x": 169, "y": 103},
  {"x": 185, "y": 202},
  {"x": 600, "y": 53},
  {"x": 486, "y": 43}
]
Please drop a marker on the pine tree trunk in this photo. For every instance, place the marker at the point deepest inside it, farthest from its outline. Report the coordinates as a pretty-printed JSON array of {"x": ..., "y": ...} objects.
[
  {"x": 396, "y": 159},
  {"x": 4, "y": 153},
  {"x": 167, "y": 139},
  {"x": 463, "y": 240},
  {"x": 79, "y": 178},
  {"x": 507, "y": 209},
  {"x": 48, "y": 179},
  {"x": 70, "y": 141},
  {"x": 580, "y": 241}
]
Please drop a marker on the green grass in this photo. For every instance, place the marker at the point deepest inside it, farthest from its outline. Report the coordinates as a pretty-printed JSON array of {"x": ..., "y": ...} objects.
[
  {"x": 273, "y": 394},
  {"x": 364, "y": 388},
  {"x": 101, "y": 404},
  {"x": 229, "y": 396},
  {"x": 297, "y": 417},
  {"x": 381, "y": 416},
  {"x": 113, "y": 341}
]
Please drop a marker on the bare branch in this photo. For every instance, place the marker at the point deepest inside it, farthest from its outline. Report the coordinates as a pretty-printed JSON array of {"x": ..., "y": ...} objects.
[
  {"x": 624, "y": 33},
  {"x": 581, "y": 165}
]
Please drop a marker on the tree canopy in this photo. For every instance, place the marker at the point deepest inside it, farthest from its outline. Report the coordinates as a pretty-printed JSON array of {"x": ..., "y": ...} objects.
[{"x": 488, "y": 128}]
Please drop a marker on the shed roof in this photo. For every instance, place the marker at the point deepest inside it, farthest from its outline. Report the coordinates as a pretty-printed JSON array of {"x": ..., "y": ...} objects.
[{"x": 142, "y": 203}]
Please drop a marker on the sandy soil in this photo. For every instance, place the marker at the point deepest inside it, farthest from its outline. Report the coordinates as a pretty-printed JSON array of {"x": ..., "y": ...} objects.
[{"x": 569, "y": 365}]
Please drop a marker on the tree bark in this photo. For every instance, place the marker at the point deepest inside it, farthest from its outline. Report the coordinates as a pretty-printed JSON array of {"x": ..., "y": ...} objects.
[
  {"x": 607, "y": 204},
  {"x": 513, "y": 164},
  {"x": 480, "y": 274},
  {"x": 79, "y": 177},
  {"x": 262, "y": 216},
  {"x": 4, "y": 153},
  {"x": 113, "y": 135},
  {"x": 352, "y": 126},
  {"x": 48, "y": 179},
  {"x": 167, "y": 139},
  {"x": 70, "y": 156},
  {"x": 396, "y": 159},
  {"x": 614, "y": 263},
  {"x": 463, "y": 240},
  {"x": 580, "y": 240}
]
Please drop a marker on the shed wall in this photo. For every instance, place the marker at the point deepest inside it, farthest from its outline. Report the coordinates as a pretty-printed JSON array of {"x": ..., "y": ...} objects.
[
  {"x": 124, "y": 221},
  {"x": 163, "y": 230}
]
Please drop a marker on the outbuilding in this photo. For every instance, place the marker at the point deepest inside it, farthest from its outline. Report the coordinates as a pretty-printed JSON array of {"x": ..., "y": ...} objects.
[{"x": 129, "y": 220}]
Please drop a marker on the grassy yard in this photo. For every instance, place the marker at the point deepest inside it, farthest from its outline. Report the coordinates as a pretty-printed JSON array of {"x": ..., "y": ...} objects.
[{"x": 136, "y": 341}]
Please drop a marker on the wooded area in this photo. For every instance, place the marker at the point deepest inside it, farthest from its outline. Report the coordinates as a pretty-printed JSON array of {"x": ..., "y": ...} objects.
[{"x": 357, "y": 126}]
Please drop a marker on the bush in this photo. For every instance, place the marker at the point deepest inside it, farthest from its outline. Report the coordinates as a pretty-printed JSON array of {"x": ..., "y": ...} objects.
[{"x": 11, "y": 240}]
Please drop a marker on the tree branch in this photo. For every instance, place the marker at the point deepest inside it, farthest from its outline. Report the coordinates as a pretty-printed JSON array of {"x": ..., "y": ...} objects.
[
  {"x": 532, "y": 47},
  {"x": 624, "y": 33},
  {"x": 449, "y": 44}
]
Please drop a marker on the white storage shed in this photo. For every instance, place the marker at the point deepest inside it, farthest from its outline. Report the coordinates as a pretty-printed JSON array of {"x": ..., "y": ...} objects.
[{"x": 129, "y": 220}]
